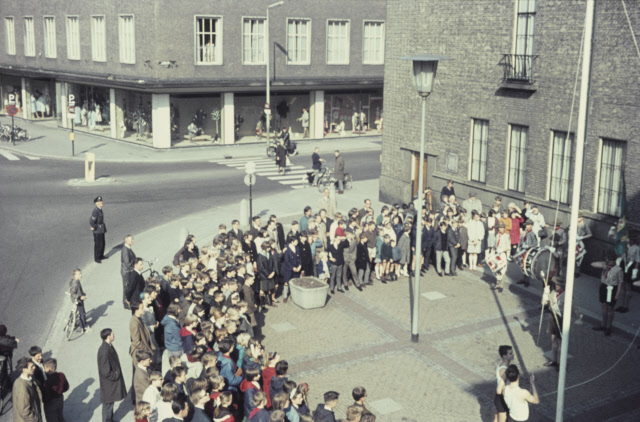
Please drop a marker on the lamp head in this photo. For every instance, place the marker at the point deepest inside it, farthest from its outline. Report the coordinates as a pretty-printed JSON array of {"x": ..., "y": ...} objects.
[{"x": 424, "y": 71}]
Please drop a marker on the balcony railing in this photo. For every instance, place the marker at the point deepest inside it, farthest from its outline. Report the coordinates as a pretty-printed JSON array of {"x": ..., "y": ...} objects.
[{"x": 518, "y": 68}]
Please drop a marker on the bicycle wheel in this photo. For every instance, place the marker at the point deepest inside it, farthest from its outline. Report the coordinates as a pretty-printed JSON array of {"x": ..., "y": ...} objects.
[
  {"x": 323, "y": 183},
  {"x": 71, "y": 324},
  {"x": 271, "y": 151},
  {"x": 23, "y": 136},
  {"x": 5, "y": 137},
  {"x": 348, "y": 181}
]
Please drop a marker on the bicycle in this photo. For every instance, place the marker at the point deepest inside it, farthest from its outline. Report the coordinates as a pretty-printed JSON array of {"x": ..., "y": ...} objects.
[
  {"x": 327, "y": 179},
  {"x": 72, "y": 321},
  {"x": 19, "y": 135},
  {"x": 6, "y": 384},
  {"x": 153, "y": 274}
]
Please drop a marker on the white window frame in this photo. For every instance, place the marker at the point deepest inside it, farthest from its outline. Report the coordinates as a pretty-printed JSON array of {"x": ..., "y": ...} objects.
[
  {"x": 611, "y": 207},
  {"x": 71, "y": 40},
  {"x": 98, "y": 45},
  {"x": 29, "y": 36},
  {"x": 50, "y": 41},
  {"x": 364, "y": 42},
  {"x": 126, "y": 46},
  {"x": 560, "y": 176},
  {"x": 347, "y": 41},
  {"x": 251, "y": 36},
  {"x": 484, "y": 148},
  {"x": 520, "y": 184},
  {"x": 218, "y": 47},
  {"x": 10, "y": 35},
  {"x": 308, "y": 47}
]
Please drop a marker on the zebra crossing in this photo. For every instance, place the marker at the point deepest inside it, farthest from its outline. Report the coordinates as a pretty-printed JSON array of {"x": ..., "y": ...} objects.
[
  {"x": 9, "y": 156},
  {"x": 266, "y": 167}
]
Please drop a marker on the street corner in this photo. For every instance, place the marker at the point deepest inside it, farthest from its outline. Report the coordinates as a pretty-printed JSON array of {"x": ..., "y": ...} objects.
[{"x": 399, "y": 386}]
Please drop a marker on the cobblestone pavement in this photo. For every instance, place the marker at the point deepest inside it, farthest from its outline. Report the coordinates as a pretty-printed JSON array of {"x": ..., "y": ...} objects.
[{"x": 363, "y": 338}]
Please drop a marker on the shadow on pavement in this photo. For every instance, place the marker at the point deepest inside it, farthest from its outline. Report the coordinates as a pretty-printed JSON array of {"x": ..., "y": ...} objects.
[
  {"x": 94, "y": 314},
  {"x": 80, "y": 393},
  {"x": 115, "y": 249},
  {"x": 92, "y": 148}
]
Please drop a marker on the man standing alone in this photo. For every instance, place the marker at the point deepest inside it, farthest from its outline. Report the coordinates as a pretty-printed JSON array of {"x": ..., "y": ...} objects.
[
  {"x": 99, "y": 229},
  {"x": 339, "y": 172},
  {"x": 304, "y": 119},
  {"x": 112, "y": 388},
  {"x": 127, "y": 260}
]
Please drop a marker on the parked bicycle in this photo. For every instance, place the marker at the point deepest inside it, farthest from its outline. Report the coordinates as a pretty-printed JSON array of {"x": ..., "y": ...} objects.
[
  {"x": 6, "y": 384},
  {"x": 72, "y": 321},
  {"x": 19, "y": 135},
  {"x": 153, "y": 274},
  {"x": 326, "y": 178}
]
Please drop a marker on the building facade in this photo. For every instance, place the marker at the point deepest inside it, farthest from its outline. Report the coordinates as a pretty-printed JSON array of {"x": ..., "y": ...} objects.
[
  {"x": 500, "y": 110},
  {"x": 145, "y": 71}
]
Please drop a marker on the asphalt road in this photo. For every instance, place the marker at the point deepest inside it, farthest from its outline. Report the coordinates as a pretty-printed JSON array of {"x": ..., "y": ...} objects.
[{"x": 44, "y": 221}]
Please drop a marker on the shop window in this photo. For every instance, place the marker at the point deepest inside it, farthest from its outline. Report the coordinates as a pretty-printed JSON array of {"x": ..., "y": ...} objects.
[
  {"x": 337, "y": 42},
  {"x": 298, "y": 37},
  {"x": 73, "y": 37},
  {"x": 611, "y": 168},
  {"x": 127, "y": 36},
  {"x": 10, "y": 33},
  {"x": 253, "y": 41},
  {"x": 373, "y": 43},
  {"x": 98, "y": 38},
  {"x": 29, "y": 38},
  {"x": 50, "y": 37},
  {"x": 208, "y": 40}
]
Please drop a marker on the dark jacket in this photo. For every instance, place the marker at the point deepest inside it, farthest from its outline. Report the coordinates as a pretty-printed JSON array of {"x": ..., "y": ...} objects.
[
  {"x": 307, "y": 258},
  {"x": 338, "y": 172},
  {"x": 135, "y": 287},
  {"x": 362, "y": 256},
  {"x": 97, "y": 221},
  {"x": 453, "y": 237},
  {"x": 112, "y": 388},
  {"x": 438, "y": 240},
  {"x": 336, "y": 253},
  {"x": 75, "y": 290},
  {"x": 281, "y": 156},
  {"x": 265, "y": 267},
  {"x": 127, "y": 259},
  {"x": 249, "y": 389},
  {"x": 276, "y": 386},
  {"x": 291, "y": 260},
  {"x": 323, "y": 415},
  {"x": 259, "y": 415},
  {"x": 315, "y": 159}
]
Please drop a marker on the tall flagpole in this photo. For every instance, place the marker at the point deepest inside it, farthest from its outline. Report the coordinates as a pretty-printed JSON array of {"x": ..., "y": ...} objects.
[{"x": 575, "y": 201}]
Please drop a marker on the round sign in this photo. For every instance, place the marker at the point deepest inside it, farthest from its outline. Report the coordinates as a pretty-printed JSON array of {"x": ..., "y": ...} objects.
[
  {"x": 267, "y": 106},
  {"x": 12, "y": 110},
  {"x": 250, "y": 167},
  {"x": 71, "y": 109},
  {"x": 250, "y": 179}
]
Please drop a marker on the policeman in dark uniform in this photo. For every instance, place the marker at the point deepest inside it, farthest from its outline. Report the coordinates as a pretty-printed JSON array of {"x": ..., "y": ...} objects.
[{"x": 99, "y": 229}]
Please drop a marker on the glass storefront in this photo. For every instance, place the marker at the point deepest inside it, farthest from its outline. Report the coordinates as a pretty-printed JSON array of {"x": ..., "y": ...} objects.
[
  {"x": 11, "y": 85},
  {"x": 39, "y": 96},
  {"x": 92, "y": 108},
  {"x": 356, "y": 112},
  {"x": 133, "y": 116},
  {"x": 195, "y": 119}
]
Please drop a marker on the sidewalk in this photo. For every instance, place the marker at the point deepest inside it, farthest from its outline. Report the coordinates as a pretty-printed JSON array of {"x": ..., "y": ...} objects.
[
  {"x": 47, "y": 140},
  {"x": 363, "y": 338}
]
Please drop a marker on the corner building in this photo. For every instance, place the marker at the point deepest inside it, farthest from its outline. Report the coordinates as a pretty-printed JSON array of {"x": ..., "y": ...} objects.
[
  {"x": 498, "y": 116},
  {"x": 143, "y": 71}
]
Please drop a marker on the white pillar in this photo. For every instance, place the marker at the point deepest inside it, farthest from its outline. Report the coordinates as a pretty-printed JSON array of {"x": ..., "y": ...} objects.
[
  {"x": 316, "y": 114},
  {"x": 228, "y": 118},
  {"x": 161, "y": 120},
  {"x": 26, "y": 98},
  {"x": 62, "y": 94},
  {"x": 113, "y": 122}
]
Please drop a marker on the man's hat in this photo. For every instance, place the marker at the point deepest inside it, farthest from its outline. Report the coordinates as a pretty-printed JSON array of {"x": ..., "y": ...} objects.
[
  {"x": 528, "y": 222},
  {"x": 472, "y": 194},
  {"x": 557, "y": 223},
  {"x": 98, "y": 199}
]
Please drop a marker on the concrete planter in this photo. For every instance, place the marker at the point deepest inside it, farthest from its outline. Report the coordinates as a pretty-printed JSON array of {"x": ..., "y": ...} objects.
[{"x": 308, "y": 292}]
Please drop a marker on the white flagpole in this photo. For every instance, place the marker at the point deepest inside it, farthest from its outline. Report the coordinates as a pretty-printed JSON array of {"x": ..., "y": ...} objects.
[{"x": 575, "y": 201}]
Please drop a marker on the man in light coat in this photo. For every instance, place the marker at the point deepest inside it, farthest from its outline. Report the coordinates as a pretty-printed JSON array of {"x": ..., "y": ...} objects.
[
  {"x": 27, "y": 401},
  {"x": 472, "y": 204}
]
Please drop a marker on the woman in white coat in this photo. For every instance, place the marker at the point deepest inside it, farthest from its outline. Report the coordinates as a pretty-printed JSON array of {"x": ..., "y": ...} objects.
[{"x": 475, "y": 231}]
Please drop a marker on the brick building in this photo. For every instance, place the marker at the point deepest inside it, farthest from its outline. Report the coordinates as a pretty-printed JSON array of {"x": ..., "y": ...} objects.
[
  {"x": 144, "y": 70},
  {"x": 499, "y": 113}
]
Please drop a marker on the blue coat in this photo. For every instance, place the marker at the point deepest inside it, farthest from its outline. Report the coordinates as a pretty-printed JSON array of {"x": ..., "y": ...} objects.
[
  {"x": 291, "y": 261},
  {"x": 172, "y": 339},
  {"x": 228, "y": 370}
]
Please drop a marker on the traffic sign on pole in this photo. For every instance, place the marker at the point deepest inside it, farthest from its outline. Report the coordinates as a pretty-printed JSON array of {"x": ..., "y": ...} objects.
[
  {"x": 71, "y": 112},
  {"x": 250, "y": 179},
  {"x": 250, "y": 167},
  {"x": 12, "y": 110}
]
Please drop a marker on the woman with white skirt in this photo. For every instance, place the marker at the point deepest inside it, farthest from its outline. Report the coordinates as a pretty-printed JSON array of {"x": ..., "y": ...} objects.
[{"x": 475, "y": 231}]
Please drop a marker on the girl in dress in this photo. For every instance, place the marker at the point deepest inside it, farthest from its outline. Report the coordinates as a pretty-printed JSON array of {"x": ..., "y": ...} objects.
[{"x": 475, "y": 230}]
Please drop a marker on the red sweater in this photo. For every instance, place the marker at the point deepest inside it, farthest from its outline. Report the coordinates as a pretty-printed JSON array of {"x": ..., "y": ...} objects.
[
  {"x": 268, "y": 373},
  {"x": 55, "y": 385}
]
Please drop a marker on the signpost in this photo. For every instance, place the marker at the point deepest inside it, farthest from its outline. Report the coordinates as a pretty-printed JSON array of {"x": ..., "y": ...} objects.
[
  {"x": 250, "y": 180},
  {"x": 12, "y": 110},
  {"x": 71, "y": 114}
]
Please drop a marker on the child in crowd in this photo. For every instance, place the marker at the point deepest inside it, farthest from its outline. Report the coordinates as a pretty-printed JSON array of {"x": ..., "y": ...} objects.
[
  {"x": 394, "y": 270},
  {"x": 324, "y": 267},
  {"x": 142, "y": 412},
  {"x": 386, "y": 255},
  {"x": 52, "y": 395}
]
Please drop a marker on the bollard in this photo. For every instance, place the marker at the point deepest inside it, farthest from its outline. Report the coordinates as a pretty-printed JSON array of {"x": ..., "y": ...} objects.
[
  {"x": 90, "y": 167},
  {"x": 244, "y": 212}
]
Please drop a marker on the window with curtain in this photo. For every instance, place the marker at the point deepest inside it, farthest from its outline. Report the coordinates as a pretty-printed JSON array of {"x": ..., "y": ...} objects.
[
  {"x": 10, "y": 35},
  {"x": 208, "y": 40},
  {"x": 98, "y": 38},
  {"x": 298, "y": 41},
  {"x": 373, "y": 43},
  {"x": 517, "y": 158},
  {"x": 29, "y": 38},
  {"x": 50, "y": 37},
  {"x": 610, "y": 186},
  {"x": 524, "y": 38},
  {"x": 479, "y": 150},
  {"x": 127, "y": 38},
  {"x": 73, "y": 38},
  {"x": 561, "y": 154},
  {"x": 337, "y": 42},
  {"x": 253, "y": 32}
]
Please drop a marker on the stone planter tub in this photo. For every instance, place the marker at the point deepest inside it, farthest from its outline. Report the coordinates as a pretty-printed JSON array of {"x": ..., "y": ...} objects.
[{"x": 308, "y": 292}]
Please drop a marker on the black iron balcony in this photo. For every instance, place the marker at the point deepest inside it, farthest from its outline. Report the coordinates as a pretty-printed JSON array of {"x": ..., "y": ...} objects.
[{"x": 518, "y": 68}]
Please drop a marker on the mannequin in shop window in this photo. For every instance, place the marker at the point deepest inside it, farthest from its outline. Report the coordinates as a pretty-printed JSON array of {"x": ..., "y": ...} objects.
[
  {"x": 363, "y": 120},
  {"x": 193, "y": 129},
  {"x": 34, "y": 107},
  {"x": 98, "y": 113},
  {"x": 40, "y": 105},
  {"x": 139, "y": 121},
  {"x": 355, "y": 121},
  {"x": 84, "y": 114},
  {"x": 46, "y": 100},
  {"x": 175, "y": 117},
  {"x": 91, "y": 117},
  {"x": 147, "y": 118}
]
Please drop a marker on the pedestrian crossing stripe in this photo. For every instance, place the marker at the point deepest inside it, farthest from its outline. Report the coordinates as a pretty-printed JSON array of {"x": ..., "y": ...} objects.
[
  {"x": 12, "y": 157},
  {"x": 267, "y": 167}
]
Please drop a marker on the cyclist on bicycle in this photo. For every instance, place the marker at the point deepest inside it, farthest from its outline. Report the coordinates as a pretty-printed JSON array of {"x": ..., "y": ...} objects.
[
  {"x": 78, "y": 297},
  {"x": 317, "y": 165},
  {"x": 289, "y": 146}
]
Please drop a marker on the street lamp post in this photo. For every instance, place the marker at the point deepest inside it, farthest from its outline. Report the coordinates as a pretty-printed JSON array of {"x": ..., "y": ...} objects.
[
  {"x": 424, "y": 73},
  {"x": 266, "y": 25}
]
